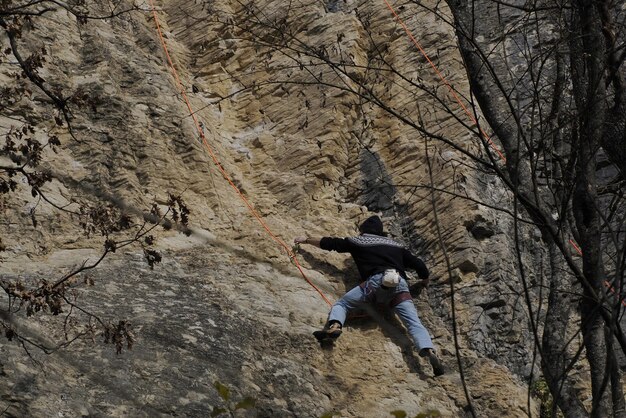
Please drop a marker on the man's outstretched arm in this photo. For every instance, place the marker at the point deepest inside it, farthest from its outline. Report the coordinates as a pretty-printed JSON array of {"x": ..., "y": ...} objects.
[
  {"x": 418, "y": 265},
  {"x": 308, "y": 240}
]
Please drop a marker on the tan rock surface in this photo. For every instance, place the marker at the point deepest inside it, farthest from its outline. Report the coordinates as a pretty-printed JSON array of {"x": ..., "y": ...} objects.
[{"x": 226, "y": 303}]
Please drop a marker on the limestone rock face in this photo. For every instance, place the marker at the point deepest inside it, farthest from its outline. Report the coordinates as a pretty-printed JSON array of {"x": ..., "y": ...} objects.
[{"x": 313, "y": 154}]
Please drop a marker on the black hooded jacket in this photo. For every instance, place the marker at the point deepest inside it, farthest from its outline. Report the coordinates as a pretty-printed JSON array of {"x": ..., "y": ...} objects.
[{"x": 375, "y": 254}]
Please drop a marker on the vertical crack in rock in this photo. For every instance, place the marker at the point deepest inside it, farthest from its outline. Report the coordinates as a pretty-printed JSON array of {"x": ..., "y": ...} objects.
[{"x": 233, "y": 308}]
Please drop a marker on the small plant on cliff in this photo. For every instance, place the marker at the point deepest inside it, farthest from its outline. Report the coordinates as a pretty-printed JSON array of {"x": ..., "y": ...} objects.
[
  {"x": 430, "y": 413},
  {"x": 230, "y": 407},
  {"x": 541, "y": 391}
]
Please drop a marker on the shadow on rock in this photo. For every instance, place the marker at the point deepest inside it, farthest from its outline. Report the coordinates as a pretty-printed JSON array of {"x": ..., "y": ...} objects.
[{"x": 372, "y": 316}]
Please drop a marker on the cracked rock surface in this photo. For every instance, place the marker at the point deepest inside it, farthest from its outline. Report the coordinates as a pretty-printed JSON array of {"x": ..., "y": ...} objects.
[{"x": 226, "y": 304}]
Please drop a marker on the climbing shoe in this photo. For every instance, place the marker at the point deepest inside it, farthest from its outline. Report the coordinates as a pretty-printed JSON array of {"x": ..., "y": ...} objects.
[
  {"x": 438, "y": 368},
  {"x": 329, "y": 333}
]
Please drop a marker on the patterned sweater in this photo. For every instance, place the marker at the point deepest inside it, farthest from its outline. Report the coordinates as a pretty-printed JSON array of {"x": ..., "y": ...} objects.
[{"x": 375, "y": 254}]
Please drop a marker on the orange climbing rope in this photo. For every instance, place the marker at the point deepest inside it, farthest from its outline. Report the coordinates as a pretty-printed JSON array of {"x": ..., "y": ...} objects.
[
  {"x": 217, "y": 163},
  {"x": 443, "y": 79}
]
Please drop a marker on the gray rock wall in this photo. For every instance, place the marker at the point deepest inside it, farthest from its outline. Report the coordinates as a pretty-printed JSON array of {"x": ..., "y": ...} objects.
[{"x": 231, "y": 307}]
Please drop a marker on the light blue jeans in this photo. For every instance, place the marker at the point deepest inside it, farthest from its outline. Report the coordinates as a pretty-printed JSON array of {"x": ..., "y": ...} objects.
[{"x": 373, "y": 292}]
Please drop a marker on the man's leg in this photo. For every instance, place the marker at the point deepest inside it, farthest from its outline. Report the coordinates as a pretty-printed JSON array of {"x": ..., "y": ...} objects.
[
  {"x": 408, "y": 314},
  {"x": 343, "y": 306}
]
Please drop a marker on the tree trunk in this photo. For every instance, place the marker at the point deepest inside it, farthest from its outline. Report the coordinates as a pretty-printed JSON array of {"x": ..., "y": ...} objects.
[
  {"x": 494, "y": 90},
  {"x": 588, "y": 77},
  {"x": 555, "y": 357},
  {"x": 614, "y": 137}
]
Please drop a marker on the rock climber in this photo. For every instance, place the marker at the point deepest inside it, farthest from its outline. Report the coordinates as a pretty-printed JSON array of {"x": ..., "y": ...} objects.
[{"x": 381, "y": 262}]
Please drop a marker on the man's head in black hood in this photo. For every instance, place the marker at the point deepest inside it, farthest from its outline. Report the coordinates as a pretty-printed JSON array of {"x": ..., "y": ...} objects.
[{"x": 372, "y": 225}]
